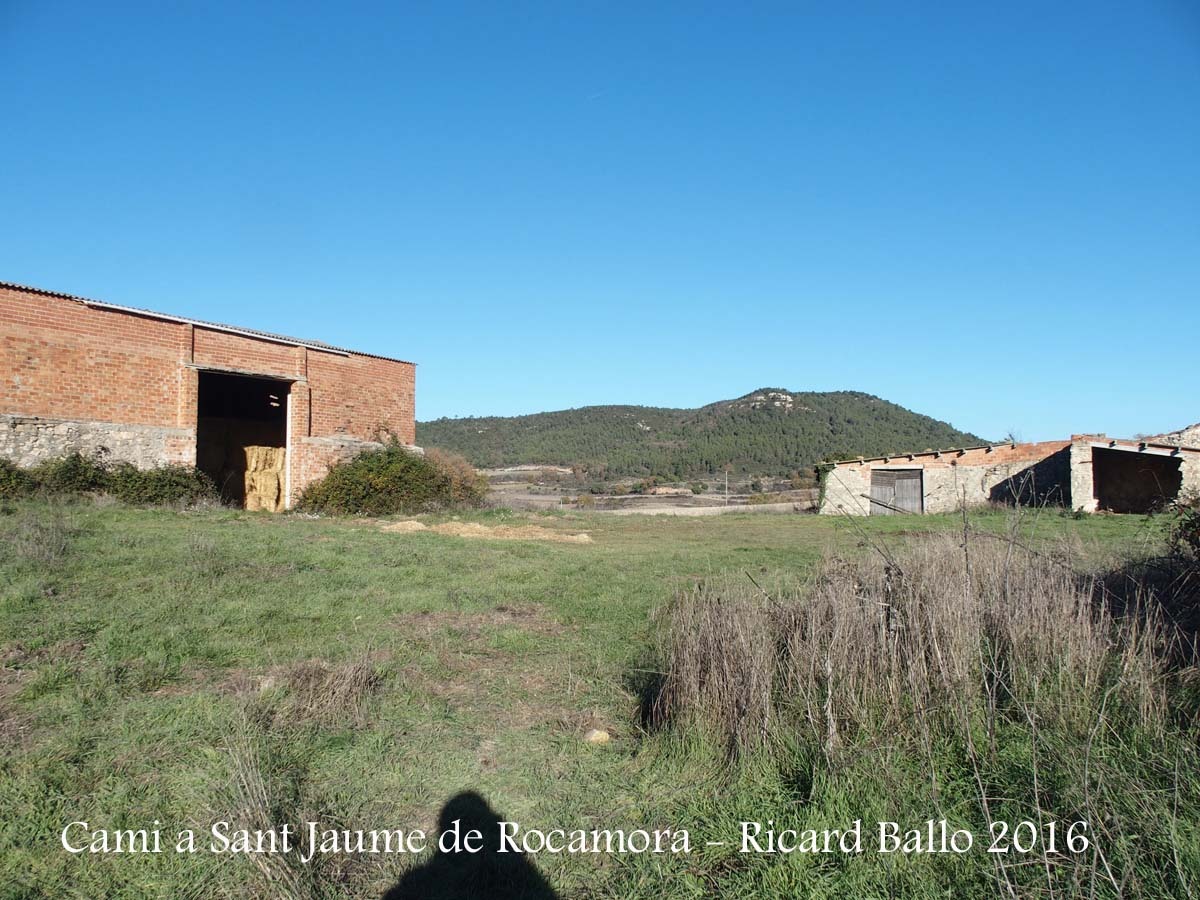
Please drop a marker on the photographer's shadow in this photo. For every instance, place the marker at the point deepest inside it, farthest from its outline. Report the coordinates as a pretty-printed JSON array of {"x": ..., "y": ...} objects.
[{"x": 485, "y": 875}]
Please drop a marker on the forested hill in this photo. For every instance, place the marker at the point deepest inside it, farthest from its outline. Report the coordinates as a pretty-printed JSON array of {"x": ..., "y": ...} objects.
[{"x": 769, "y": 431}]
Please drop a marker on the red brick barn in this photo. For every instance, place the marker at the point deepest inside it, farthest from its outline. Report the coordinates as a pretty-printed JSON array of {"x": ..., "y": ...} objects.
[{"x": 150, "y": 389}]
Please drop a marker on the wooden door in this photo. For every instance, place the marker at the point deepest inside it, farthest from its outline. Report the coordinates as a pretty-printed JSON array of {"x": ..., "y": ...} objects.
[
  {"x": 896, "y": 490},
  {"x": 909, "y": 496},
  {"x": 883, "y": 492}
]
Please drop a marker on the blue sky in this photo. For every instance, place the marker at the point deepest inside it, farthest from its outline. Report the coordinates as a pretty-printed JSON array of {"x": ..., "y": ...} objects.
[{"x": 989, "y": 213}]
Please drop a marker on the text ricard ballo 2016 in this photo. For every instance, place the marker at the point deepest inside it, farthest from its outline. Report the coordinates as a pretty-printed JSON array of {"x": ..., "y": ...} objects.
[{"x": 309, "y": 840}]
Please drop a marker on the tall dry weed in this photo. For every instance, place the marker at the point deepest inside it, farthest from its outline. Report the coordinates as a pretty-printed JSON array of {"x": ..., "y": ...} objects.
[{"x": 937, "y": 631}]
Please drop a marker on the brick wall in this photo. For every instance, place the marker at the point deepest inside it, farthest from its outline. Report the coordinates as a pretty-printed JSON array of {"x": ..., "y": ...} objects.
[
  {"x": 348, "y": 394},
  {"x": 78, "y": 377},
  {"x": 60, "y": 359}
]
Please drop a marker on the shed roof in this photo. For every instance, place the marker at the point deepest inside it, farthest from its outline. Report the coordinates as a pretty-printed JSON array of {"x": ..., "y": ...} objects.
[
  {"x": 913, "y": 454},
  {"x": 214, "y": 326},
  {"x": 1093, "y": 439},
  {"x": 1133, "y": 445}
]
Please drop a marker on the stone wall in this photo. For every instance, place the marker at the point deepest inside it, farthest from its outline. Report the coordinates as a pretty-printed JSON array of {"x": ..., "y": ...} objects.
[
  {"x": 29, "y": 440},
  {"x": 1190, "y": 489},
  {"x": 1083, "y": 493},
  {"x": 1184, "y": 437},
  {"x": 946, "y": 487},
  {"x": 845, "y": 486}
]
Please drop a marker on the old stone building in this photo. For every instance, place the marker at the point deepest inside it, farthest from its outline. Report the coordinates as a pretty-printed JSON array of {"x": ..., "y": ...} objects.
[
  {"x": 1087, "y": 472},
  {"x": 152, "y": 389}
]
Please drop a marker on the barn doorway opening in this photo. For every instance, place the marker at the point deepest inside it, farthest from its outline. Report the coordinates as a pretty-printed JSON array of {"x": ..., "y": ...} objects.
[
  {"x": 1130, "y": 482},
  {"x": 241, "y": 437},
  {"x": 895, "y": 491}
]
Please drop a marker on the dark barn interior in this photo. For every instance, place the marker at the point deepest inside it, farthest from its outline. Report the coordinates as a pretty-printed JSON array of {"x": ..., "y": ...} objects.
[
  {"x": 1131, "y": 482},
  {"x": 236, "y": 412}
]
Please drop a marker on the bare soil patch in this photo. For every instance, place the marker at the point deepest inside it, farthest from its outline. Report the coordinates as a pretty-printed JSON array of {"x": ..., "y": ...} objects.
[
  {"x": 17, "y": 655},
  {"x": 490, "y": 532}
]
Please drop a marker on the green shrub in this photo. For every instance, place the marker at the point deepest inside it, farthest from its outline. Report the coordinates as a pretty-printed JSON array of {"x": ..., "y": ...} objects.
[
  {"x": 160, "y": 485},
  {"x": 71, "y": 474},
  {"x": 386, "y": 482},
  {"x": 645, "y": 486},
  {"x": 76, "y": 474},
  {"x": 14, "y": 481}
]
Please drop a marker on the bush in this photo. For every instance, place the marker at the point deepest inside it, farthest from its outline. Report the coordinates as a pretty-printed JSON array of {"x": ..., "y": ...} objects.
[
  {"x": 14, "y": 481},
  {"x": 71, "y": 474},
  {"x": 393, "y": 480},
  {"x": 645, "y": 486},
  {"x": 467, "y": 486},
  {"x": 76, "y": 474},
  {"x": 161, "y": 485}
]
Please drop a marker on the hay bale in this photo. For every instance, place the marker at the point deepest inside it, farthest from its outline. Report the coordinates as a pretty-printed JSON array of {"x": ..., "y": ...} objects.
[{"x": 264, "y": 477}]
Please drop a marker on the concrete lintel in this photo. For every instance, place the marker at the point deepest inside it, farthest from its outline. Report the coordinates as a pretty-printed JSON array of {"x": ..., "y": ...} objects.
[
  {"x": 1138, "y": 448},
  {"x": 250, "y": 373}
]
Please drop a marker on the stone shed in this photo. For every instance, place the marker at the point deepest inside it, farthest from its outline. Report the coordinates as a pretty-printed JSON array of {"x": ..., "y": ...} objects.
[
  {"x": 1087, "y": 472},
  {"x": 152, "y": 389}
]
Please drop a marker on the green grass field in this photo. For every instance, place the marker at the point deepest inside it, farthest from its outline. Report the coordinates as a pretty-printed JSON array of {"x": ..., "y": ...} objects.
[{"x": 151, "y": 658}]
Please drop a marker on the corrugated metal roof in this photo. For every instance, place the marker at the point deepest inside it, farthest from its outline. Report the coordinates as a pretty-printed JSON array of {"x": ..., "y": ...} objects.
[{"x": 215, "y": 326}]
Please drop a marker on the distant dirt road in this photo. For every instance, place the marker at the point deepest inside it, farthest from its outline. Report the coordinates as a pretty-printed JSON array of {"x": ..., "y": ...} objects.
[{"x": 707, "y": 510}]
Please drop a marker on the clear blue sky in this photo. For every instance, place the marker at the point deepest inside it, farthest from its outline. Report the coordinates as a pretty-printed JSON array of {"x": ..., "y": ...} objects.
[{"x": 989, "y": 213}]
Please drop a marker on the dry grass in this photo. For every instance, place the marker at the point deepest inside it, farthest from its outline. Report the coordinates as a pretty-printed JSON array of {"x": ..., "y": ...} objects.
[
  {"x": 313, "y": 691},
  {"x": 495, "y": 532},
  {"x": 257, "y": 806},
  {"x": 937, "y": 630},
  {"x": 721, "y": 660},
  {"x": 997, "y": 668},
  {"x": 40, "y": 535},
  {"x": 322, "y": 692}
]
